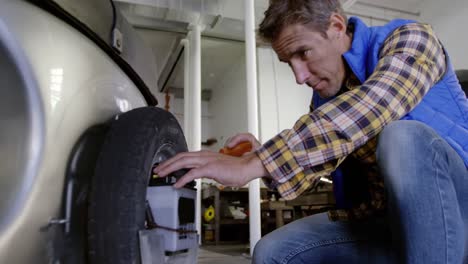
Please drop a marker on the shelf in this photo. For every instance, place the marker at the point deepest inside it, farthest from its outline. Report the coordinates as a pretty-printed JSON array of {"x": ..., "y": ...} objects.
[
  {"x": 212, "y": 191},
  {"x": 314, "y": 198},
  {"x": 276, "y": 205},
  {"x": 228, "y": 196},
  {"x": 234, "y": 221}
]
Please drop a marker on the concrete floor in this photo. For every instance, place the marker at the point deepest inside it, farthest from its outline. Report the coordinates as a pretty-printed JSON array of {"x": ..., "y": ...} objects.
[{"x": 224, "y": 254}]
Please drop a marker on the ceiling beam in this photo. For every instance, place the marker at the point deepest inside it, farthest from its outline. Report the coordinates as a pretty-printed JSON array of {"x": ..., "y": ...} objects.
[
  {"x": 409, "y": 10},
  {"x": 348, "y": 4}
]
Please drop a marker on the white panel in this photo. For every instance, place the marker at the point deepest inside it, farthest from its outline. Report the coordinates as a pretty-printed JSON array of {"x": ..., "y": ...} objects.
[
  {"x": 232, "y": 9},
  {"x": 377, "y": 15},
  {"x": 376, "y": 22},
  {"x": 293, "y": 99},
  {"x": 268, "y": 108},
  {"x": 177, "y": 109},
  {"x": 449, "y": 22},
  {"x": 282, "y": 101},
  {"x": 368, "y": 10},
  {"x": 229, "y": 105},
  {"x": 161, "y": 43},
  {"x": 407, "y": 5},
  {"x": 391, "y": 14},
  {"x": 368, "y": 21}
]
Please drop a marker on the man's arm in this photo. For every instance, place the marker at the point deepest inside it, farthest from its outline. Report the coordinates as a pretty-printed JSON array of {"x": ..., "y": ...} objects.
[
  {"x": 411, "y": 62},
  {"x": 227, "y": 170}
]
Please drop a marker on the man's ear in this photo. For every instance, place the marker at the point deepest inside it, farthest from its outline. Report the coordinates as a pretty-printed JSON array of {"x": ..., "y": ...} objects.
[{"x": 337, "y": 27}]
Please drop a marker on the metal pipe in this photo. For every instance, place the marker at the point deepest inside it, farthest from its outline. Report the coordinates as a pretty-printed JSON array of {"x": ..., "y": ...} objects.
[
  {"x": 185, "y": 43},
  {"x": 195, "y": 107},
  {"x": 252, "y": 110}
]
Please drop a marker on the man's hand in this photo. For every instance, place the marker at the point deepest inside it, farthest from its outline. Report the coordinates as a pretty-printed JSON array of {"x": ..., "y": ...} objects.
[{"x": 227, "y": 170}]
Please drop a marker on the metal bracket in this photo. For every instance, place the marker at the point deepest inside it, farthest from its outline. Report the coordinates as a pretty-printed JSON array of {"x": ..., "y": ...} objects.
[
  {"x": 117, "y": 40},
  {"x": 68, "y": 203},
  {"x": 55, "y": 221}
]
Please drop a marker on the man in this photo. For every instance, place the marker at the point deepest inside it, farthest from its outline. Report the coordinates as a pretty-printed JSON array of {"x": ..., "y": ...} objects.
[{"x": 389, "y": 123}]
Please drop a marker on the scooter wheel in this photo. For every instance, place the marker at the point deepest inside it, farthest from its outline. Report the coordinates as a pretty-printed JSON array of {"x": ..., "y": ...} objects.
[{"x": 118, "y": 191}]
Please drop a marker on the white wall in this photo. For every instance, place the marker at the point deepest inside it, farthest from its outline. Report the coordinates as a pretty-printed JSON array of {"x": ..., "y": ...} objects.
[
  {"x": 176, "y": 107},
  {"x": 229, "y": 104},
  {"x": 281, "y": 100},
  {"x": 161, "y": 43},
  {"x": 450, "y": 20},
  {"x": 226, "y": 113},
  {"x": 377, "y": 13}
]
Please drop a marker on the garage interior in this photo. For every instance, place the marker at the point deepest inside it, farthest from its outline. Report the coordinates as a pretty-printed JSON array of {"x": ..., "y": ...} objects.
[
  {"x": 218, "y": 79},
  {"x": 163, "y": 24}
]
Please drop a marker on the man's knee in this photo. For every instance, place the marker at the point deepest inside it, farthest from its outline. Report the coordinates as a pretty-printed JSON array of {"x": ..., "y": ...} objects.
[
  {"x": 404, "y": 138},
  {"x": 403, "y": 151},
  {"x": 403, "y": 131},
  {"x": 266, "y": 251}
]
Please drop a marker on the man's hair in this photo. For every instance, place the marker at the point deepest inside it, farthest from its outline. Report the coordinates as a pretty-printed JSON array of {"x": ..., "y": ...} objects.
[{"x": 313, "y": 13}]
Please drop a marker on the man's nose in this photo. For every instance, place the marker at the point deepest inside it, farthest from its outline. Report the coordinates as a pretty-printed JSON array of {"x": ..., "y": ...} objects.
[{"x": 301, "y": 73}]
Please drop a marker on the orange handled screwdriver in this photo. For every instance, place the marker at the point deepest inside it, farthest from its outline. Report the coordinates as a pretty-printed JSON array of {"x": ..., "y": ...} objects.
[{"x": 238, "y": 150}]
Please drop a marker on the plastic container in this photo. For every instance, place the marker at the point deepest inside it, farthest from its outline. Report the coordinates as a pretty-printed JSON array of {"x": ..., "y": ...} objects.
[
  {"x": 174, "y": 209},
  {"x": 152, "y": 251}
]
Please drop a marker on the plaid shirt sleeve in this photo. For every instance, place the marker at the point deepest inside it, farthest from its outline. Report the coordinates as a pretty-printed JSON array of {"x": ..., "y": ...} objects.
[{"x": 410, "y": 62}]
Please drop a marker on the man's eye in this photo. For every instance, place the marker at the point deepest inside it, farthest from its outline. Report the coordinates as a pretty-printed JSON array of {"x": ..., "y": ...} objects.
[{"x": 305, "y": 53}]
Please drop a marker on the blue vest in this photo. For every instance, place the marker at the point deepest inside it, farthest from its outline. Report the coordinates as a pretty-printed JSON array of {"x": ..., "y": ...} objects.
[{"x": 444, "y": 107}]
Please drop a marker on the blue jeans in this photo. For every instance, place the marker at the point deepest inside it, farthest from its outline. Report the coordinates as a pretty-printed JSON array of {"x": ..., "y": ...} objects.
[{"x": 427, "y": 221}]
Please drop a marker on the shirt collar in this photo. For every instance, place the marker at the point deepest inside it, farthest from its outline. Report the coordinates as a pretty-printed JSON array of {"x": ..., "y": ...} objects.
[{"x": 357, "y": 54}]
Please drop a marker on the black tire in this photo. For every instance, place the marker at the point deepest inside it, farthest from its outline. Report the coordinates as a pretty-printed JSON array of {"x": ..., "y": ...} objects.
[{"x": 118, "y": 191}]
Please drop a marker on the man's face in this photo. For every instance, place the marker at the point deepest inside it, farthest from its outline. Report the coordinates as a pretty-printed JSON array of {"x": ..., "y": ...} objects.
[{"x": 314, "y": 59}]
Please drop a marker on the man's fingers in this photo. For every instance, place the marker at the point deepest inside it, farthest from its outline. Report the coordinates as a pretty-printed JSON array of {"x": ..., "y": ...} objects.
[
  {"x": 164, "y": 165},
  {"x": 228, "y": 142},
  {"x": 206, "y": 171},
  {"x": 235, "y": 140},
  {"x": 182, "y": 163},
  {"x": 176, "y": 158},
  {"x": 172, "y": 160},
  {"x": 247, "y": 153},
  {"x": 184, "y": 160},
  {"x": 189, "y": 176}
]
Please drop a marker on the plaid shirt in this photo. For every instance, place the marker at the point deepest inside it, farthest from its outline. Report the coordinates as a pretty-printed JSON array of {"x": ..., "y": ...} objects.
[{"x": 410, "y": 62}]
